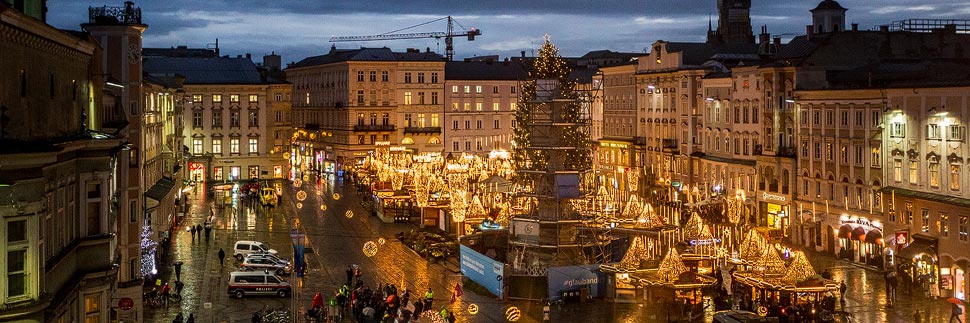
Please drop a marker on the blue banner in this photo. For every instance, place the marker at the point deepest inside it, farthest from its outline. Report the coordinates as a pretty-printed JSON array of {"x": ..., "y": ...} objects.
[
  {"x": 483, "y": 270},
  {"x": 574, "y": 278}
]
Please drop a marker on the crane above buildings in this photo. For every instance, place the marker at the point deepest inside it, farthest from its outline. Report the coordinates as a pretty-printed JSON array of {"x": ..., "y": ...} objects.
[{"x": 447, "y": 35}]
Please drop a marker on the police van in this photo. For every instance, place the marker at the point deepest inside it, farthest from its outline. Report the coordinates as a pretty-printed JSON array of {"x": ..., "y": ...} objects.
[{"x": 243, "y": 283}]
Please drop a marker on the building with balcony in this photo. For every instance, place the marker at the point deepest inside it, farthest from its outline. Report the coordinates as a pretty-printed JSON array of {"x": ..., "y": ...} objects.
[
  {"x": 480, "y": 102},
  {"x": 617, "y": 157},
  {"x": 232, "y": 116},
  {"x": 60, "y": 174},
  {"x": 346, "y": 102}
]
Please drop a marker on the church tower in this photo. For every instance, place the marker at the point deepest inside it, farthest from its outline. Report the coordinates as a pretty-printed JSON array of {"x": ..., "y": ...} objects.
[
  {"x": 828, "y": 17},
  {"x": 734, "y": 22}
]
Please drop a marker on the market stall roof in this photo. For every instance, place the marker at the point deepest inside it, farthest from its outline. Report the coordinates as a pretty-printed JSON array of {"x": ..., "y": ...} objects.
[
  {"x": 775, "y": 282},
  {"x": 686, "y": 280},
  {"x": 921, "y": 245}
]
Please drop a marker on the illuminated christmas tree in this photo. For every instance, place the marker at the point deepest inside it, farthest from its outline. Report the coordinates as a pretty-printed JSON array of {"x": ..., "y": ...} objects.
[
  {"x": 799, "y": 270},
  {"x": 638, "y": 251},
  {"x": 671, "y": 267},
  {"x": 753, "y": 246},
  {"x": 694, "y": 226},
  {"x": 149, "y": 248}
]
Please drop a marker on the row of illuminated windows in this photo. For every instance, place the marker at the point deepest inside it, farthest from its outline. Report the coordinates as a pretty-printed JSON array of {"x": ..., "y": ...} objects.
[
  {"x": 742, "y": 115},
  {"x": 934, "y": 131},
  {"x": 233, "y": 98},
  {"x": 467, "y": 89},
  {"x": 385, "y": 119},
  {"x": 467, "y": 106},
  {"x": 942, "y": 225},
  {"x": 217, "y": 119},
  {"x": 235, "y": 172},
  {"x": 198, "y": 147},
  {"x": 455, "y": 146},
  {"x": 496, "y": 124},
  {"x": 422, "y": 120},
  {"x": 362, "y": 140},
  {"x": 858, "y": 195},
  {"x": 858, "y": 153},
  {"x": 742, "y": 147},
  {"x": 371, "y": 76},
  {"x": 933, "y": 172}
]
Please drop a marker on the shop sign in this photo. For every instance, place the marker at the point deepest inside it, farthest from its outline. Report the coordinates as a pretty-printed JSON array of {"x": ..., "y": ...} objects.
[
  {"x": 902, "y": 238},
  {"x": 860, "y": 221},
  {"x": 675, "y": 184},
  {"x": 397, "y": 148},
  {"x": 946, "y": 282},
  {"x": 772, "y": 197}
]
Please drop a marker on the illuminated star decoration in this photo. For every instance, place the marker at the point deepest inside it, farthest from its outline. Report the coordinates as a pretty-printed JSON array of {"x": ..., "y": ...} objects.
[
  {"x": 336, "y": 196},
  {"x": 299, "y": 205},
  {"x": 301, "y": 195},
  {"x": 513, "y": 314},
  {"x": 349, "y": 214},
  {"x": 370, "y": 248},
  {"x": 323, "y": 207},
  {"x": 473, "y": 309},
  {"x": 381, "y": 241},
  {"x": 297, "y": 182}
]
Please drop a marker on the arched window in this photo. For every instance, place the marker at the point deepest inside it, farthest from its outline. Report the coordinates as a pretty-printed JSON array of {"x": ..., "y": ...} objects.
[
  {"x": 434, "y": 141},
  {"x": 407, "y": 141}
]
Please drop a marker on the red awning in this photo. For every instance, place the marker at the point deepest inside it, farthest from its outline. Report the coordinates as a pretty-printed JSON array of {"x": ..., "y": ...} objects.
[
  {"x": 844, "y": 231},
  {"x": 858, "y": 233},
  {"x": 874, "y": 236}
]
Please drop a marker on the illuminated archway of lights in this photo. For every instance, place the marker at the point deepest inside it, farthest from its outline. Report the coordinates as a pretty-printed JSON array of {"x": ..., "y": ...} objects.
[
  {"x": 323, "y": 207},
  {"x": 297, "y": 182},
  {"x": 349, "y": 214},
  {"x": 301, "y": 195},
  {"x": 381, "y": 241},
  {"x": 299, "y": 205},
  {"x": 370, "y": 249},
  {"x": 336, "y": 196},
  {"x": 473, "y": 309},
  {"x": 513, "y": 314}
]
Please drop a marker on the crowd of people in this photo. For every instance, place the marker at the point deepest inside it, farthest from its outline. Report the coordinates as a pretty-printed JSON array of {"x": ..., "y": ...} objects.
[{"x": 385, "y": 304}]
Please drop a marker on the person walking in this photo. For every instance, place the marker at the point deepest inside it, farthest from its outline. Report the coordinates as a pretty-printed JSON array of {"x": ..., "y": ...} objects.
[
  {"x": 428, "y": 299},
  {"x": 955, "y": 313},
  {"x": 444, "y": 314},
  {"x": 193, "y": 233},
  {"x": 198, "y": 229},
  {"x": 418, "y": 307},
  {"x": 208, "y": 231},
  {"x": 178, "y": 271},
  {"x": 842, "y": 288},
  {"x": 222, "y": 257},
  {"x": 165, "y": 294}
]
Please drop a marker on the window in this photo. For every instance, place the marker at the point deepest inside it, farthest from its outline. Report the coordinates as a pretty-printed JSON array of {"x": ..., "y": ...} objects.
[
  {"x": 467, "y": 106},
  {"x": 420, "y": 97},
  {"x": 454, "y": 106},
  {"x": 434, "y": 120},
  {"x": 955, "y": 177},
  {"x": 217, "y": 146},
  {"x": 234, "y": 146},
  {"x": 454, "y": 145},
  {"x": 407, "y": 98},
  {"x": 360, "y": 97},
  {"x": 964, "y": 224},
  {"x": 360, "y": 139},
  {"x": 373, "y": 119},
  {"x": 934, "y": 170},
  {"x": 844, "y": 117},
  {"x": 828, "y": 151},
  {"x": 494, "y": 88},
  {"x": 197, "y": 118},
  {"x": 434, "y": 97},
  {"x": 478, "y": 106},
  {"x": 512, "y": 89},
  {"x": 494, "y": 106},
  {"x": 197, "y": 98},
  {"x": 279, "y": 116},
  {"x": 360, "y": 76},
  {"x": 913, "y": 171},
  {"x": 478, "y": 145},
  {"x": 858, "y": 155},
  {"x": 898, "y": 170},
  {"x": 468, "y": 145},
  {"x": 421, "y": 120},
  {"x": 234, "y": 172},
  {"x": 407, "y": 120},
  {"x": 360, "y": 119},
  {"x": 495, "y": 124},
  {"x": 945, "y": 225},
  {"x": 468, "y": 124},
  {"x": 932, "y": 131},
  {"x": 513, "y": 124},
  {"x": 92, "y": 309},
  {"x": 876, "y": 157},
  {"x": 278, "y": 96},
  {"x": 478, "y": 124},
  {"x": 383, "y": 76},
  {"x": 373, "y": 76},
  {"x": 875, "y": 117},
  {"x": 217, "y": 98},
  {"x": 16, "y": 260},
  {"x": 253, "y": 98},
  {"x": 512, "y": 106},
  {"x": 954, "y": 133},
  {"x": 859, "y": 118},
  {"x": 420, "y": 77},
  {"x": 454, "y": 125},
  {"x": 234, "y": 118},
  {"x": 253, "y": 118},
  {"x": 478, "y": 89},
  {"x": 197, "y": 146},
  {"x": 829, "y": 117},
  {"x": 253, "y": 146},
  {"x": 843, "y": 154},
  {"x": 468, "y": 89},
  {"x": 925, "y": 225},
  {"x": 815, "y": 117},
  {"x": 234, "y": 98},
  {"x": 754, "y": 114},
  {"x": 407, "y": 77},
  {"x": 385, "y": 119},
  {"x": 434, "y": 77},
  {"x": 454, "y": 89},
  {"x": 897, "y": 130}
]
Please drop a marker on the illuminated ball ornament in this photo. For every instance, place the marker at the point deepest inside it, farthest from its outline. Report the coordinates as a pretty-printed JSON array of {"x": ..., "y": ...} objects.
[
  {"x": 297, "y": 182},
  {"x": 299, "y": 205},
  {"x": 513, "y": 314},
  {"x": 473, "y": 309},
  {"x": 370, "y": 249},
  {"x": 301, "y": 195},
  {"x": 336, "y": 196},
  {"x": 381, "y": 241},
  {"x": 349, "y": 214},
  {"x": 323, "y": 207}
]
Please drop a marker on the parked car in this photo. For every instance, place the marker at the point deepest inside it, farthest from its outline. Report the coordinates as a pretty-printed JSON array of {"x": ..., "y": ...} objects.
[
  {"x": 244, "y": 247},
  {"x": 242, "y": 283},
  {"x": 259, "y": 263},
  {"x": 270, "y": 256}
]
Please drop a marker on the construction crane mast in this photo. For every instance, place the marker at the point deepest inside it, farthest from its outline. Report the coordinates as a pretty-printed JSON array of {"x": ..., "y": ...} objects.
[{"x": 447, "y": 35}]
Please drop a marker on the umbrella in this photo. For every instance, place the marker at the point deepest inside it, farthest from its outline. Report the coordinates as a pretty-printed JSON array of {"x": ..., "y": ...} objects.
[
  {"x": 955, "y": 300},
  {"x": 368, "y": 311}
]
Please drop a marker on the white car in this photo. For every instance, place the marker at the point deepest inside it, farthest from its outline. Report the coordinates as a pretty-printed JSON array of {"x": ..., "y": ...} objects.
[
  {"x": 274, "y": 257},
  {"x": 244, "y": 247},
  {"x": 258, "y": 263}
]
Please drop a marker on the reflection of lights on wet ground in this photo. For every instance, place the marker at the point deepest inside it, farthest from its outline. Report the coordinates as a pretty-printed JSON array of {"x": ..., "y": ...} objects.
[
  {"x": 323, "y": 207},
  {"x": 473, "y": 309},
  {"x": 349, "y": 214},
  {"x": 381, "y": 241},
  {"x": 301, "y": 195},
  {"x": 370, "y": 249},
  {"x": 336, "y": 196},
  {"x": 513, "y": 314},
  {"x": 299, "y": 205}
]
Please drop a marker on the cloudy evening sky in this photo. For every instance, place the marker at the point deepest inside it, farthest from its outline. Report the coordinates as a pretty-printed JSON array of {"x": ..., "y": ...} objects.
[{"x": 301, "y": 28}]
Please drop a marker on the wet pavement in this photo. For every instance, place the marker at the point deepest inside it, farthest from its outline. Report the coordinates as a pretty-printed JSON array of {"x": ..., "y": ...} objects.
[{"x": 336, "y": 239}]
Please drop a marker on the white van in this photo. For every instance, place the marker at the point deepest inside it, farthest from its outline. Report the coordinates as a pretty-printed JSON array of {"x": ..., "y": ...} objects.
[
  {"x": 242, "y": 283},
  {"x": 245, "y": 247}
]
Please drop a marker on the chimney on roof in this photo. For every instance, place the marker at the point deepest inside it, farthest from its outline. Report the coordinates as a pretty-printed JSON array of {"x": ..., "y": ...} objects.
[
  {"x": 809, "y": 32},
  {"x": 249, "y": 56},
  {"x": 523, "y": 53},
  {"x": 238, "y": 56},
  {"x": 884, "y": 28},
  {"x": 272, "y": 61},
  {"x": 855, "y": 27},
  {"x": 763, "y": 37},
  {"x": 427, "y": 49},
  {"x": 777, "y": 42},
  {"x": 413, "y": 50}
]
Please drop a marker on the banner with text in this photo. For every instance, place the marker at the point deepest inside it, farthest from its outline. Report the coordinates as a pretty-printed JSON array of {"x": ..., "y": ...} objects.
[
  {"x": 483, "y": 270},
  {"x": 573, "y": 278}
]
